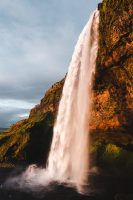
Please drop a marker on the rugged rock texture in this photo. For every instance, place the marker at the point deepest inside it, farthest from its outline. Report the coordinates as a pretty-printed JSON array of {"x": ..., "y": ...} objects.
[
  {"x": 112, "y": 114},
  {"x": 50, "y": 101},
  {"x": 113, "y": 89}
]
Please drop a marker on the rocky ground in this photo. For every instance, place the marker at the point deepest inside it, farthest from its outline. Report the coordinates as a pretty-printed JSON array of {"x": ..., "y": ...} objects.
[{"x": 100, "y": 188}]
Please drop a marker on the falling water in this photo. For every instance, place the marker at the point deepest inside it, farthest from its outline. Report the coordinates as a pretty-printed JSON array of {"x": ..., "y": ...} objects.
[{"x": 68, "y": 160}]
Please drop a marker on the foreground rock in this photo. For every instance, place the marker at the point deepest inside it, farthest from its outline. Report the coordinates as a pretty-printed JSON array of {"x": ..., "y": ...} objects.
[{"x": 99, "y": 188}]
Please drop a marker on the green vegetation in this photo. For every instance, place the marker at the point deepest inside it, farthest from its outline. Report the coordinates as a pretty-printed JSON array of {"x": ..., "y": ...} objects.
[
  {"x": 112, "y": 158},
  {"x": 28, "y": 140},
  {"x": 118, "y": 159},
  {"x": 7, "y": 165},
  {"x": 16, "y": 139}
]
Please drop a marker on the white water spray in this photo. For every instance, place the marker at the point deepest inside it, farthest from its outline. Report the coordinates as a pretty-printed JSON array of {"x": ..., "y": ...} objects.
[{"x": 68, "y": 160}]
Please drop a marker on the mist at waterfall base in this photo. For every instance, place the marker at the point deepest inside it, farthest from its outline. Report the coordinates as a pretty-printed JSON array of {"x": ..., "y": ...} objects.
[{"x": 68, "y": 161}]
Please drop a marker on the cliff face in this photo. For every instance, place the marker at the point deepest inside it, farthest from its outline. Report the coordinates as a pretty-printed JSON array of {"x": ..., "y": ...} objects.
[
  {"x": 112, "y": 113},
  {"x": 114, "y": 64},
  {"x": 50, "y": 101},
  {"x": 111, "y": 122}
]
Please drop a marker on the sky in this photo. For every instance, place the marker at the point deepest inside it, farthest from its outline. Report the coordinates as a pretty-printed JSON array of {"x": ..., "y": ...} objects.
[{"x": 37, "y": 38}]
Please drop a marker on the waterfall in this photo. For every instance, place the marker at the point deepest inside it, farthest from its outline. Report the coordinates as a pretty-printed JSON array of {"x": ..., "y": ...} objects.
[{"x": 68, "y": 158}]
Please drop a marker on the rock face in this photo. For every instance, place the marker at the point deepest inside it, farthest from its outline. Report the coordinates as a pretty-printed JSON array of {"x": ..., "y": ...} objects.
[
  {"x": 50, "y": 101},
  {"x": 114, "y": 63},
  {"x": 112, "y": 113}
]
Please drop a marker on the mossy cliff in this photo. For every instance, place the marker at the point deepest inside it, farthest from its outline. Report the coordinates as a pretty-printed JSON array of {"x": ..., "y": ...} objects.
[
  {"x": 112, "y": 116},
  {"x": 29, "y": 140},
  {"x": 113, "y": 83},
  {"x": 111, "y": 123}
]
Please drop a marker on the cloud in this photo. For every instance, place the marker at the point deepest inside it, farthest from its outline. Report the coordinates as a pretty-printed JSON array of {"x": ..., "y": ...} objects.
[
  {"x": 9, "y": 115},
  {"x": 15, "y": 104},
  {"x": 12, "y": 110},
  {"x": 37, "y": 40}
]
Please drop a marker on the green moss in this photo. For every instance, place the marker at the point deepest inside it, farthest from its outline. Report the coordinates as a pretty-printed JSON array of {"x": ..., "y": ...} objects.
[
  {"x": 21, "y": 143},
  {"x": 112, "y": 152},
  {"x": 117, "y": 159},
  {"x": 104, "y": 6},
  {"x": 95, "y": 146},
  {"x": 14, "y": 142},
  {"x": 6, "y": 165}
]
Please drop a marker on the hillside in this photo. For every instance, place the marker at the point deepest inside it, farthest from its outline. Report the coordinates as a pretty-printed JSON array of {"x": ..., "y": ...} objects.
[{"x": 2, "y": 129}]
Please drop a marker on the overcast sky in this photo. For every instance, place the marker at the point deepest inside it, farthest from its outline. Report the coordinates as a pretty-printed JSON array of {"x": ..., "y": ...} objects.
[{"x": 37, "y": 38}]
